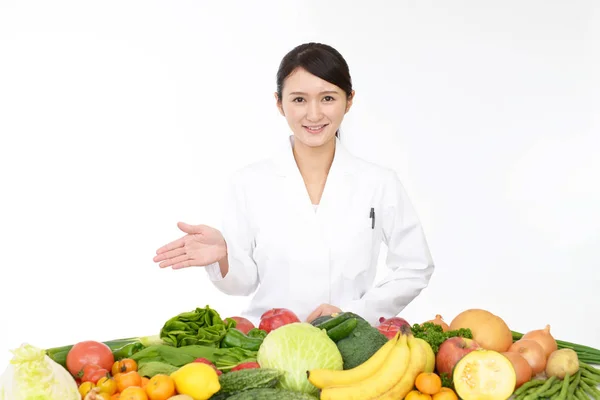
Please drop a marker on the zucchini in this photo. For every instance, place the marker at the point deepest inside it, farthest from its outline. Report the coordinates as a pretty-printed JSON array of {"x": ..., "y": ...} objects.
[
  {"x": 342, "y": 330},
  {"x": 271, "y": 394}
]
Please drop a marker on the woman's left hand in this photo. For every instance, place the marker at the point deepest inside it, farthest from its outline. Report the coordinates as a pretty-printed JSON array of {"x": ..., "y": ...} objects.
[{"x": 323, "y": 309}]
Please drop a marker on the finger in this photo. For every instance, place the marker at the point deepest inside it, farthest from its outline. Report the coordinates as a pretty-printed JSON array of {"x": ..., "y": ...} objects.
[
  {"x": 172, "y": 246},
  {"x": 184, "y": 264},
  {"x": 174, "y": 261},
  {"x": 191, "y": 229},
  {"x": 169, "y": 254}
]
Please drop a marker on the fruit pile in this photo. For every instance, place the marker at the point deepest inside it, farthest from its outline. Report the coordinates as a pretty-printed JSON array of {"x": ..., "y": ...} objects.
[{"x": 197, "y": 355}]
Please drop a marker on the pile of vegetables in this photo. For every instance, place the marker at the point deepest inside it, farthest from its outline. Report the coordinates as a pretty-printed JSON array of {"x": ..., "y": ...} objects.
[{"x": 435, "y": 335}]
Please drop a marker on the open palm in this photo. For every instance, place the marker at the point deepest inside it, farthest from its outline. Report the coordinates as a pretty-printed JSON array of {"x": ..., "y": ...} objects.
[{"x": 201, "y": 246}]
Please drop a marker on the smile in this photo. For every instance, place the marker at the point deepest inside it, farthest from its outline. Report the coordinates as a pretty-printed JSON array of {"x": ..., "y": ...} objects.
[{"x": 315, "y": 129}]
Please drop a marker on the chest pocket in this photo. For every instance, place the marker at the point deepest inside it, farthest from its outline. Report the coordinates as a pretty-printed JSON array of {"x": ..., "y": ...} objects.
[{"x": 358, "y": 240}]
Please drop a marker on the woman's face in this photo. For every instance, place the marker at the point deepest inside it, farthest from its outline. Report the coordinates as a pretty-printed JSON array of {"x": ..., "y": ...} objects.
[{"x": 314, "y": 108}]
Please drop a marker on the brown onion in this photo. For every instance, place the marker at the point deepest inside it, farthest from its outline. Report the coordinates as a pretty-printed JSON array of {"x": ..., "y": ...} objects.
[
  {"x": 522, "y": 368},
  {"x": 440, "y": 321},
  {"x": 531, "y": 351},
  {"x": 544, "y": 338}
]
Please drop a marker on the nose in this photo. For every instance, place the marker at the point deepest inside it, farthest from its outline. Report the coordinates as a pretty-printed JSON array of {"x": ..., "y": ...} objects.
[{"x": 313, "y": 113}]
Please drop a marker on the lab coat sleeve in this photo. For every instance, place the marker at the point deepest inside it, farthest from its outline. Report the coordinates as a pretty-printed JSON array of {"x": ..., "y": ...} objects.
[
  {"x": 242, "y": 277},
  {"x": 408, "y": 258}
]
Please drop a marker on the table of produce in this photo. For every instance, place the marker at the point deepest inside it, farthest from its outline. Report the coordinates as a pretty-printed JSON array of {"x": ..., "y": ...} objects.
[{"x": 198, "y": 355}]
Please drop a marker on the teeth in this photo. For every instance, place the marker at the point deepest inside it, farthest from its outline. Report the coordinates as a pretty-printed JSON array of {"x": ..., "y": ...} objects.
[{"x": 315, "y": 128}]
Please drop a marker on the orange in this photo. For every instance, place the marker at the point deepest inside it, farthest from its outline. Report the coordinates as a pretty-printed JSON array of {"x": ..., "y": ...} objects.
[
  {"x": 116, "y": 396},
  {"x": 416, "y": 395},
  {"x": 428, "y": 383},
  {"x": 160, "y": 387},
  {"x": 127, "y": 379},
  {"x": 445, "y": 394},
  {"x": 133, "y": 393}
]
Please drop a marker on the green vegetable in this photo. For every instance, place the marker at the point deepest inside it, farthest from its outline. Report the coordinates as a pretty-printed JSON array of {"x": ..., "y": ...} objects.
[
  {"x": 343, "y": 330},
  {"x": 296, "y": 348},
  {"x": 238, "y": 381},
  {"x": 121, "y": 348},
  {"x": 151, "y": 368},
  {"x": 435, "y": 335},
  {"x": 31, "y": 374},
  {"x": 333, "y": 321},
  {"x": 528, "y": 385},
  {"x": 585, "y": 354},
  {"x": 534, "y": 394},
  {"x": 360, "y": 344},
  {"x": 223, "y": 358},
  {"x": 271, "y": 394},
  {"x": 203, "y": 326},
  {"x": 257, "y": 333},
  {"x": 236, "y": 338}
]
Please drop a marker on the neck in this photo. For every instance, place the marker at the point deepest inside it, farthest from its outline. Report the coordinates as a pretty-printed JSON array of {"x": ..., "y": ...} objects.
[{"x": 314, "y": 162}]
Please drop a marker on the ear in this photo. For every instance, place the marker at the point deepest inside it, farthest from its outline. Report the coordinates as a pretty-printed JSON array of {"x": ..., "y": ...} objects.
[
  {"x": 349, "y": 101},
  {"x": 279, "y": 105}
]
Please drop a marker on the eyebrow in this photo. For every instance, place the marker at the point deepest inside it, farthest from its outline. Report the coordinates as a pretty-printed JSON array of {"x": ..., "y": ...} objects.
[{"x": 304, "y": 94}]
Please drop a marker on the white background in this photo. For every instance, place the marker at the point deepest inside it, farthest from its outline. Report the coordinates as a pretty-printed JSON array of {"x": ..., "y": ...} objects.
[{"x": 120, "y": 118}]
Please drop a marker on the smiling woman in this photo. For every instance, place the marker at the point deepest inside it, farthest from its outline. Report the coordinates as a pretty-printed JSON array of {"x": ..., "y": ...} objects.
[{"x": 303, "y": 229}]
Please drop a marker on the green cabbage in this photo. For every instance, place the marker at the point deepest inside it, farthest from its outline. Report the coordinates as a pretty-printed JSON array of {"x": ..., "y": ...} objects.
[
  {"x": 31, "y": 374},
  {"x": 297, "y": 348}
]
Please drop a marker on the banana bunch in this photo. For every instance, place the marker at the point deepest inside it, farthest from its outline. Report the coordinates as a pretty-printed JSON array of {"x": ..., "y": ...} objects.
[{"x": 389, "y": 374}]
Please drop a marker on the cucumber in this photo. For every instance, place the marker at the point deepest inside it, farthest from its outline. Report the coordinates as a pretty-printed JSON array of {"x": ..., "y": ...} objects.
[
  {"x": 235, "y": 382},
  {"x": 271, "y": 394},
  {"x": 342, "y": 330},
  {"x": 333, "y": 322}
]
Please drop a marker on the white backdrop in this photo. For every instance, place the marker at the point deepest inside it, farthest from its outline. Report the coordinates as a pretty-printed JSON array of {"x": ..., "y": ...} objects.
[{"x": 120, "y": 118}]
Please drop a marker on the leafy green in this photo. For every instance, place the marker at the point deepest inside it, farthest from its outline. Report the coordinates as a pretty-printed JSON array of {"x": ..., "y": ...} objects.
[
  {"x": 435, "y": 335},
  {"x": 32, "y": 374},
  {"x": 296, "y": 348},
  {"x": 223, "y": 358},
  {"x": 257, "y": 333},
  {"x": 151, "y": 368},
  {"x": 203, "y": 326}
]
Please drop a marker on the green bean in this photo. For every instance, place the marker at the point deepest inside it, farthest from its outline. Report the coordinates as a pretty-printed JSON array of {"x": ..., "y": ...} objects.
[
  {"x": 574, "y": 385},
  {"x": 564, "y": 388},
  {"x": 528, "y": 385},
  {"x": 592, "y": 391},
  {"x": 541, "y": 389}
]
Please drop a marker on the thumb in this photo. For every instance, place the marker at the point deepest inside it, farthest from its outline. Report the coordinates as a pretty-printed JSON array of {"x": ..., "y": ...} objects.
[{"x": 191, "y": 229}]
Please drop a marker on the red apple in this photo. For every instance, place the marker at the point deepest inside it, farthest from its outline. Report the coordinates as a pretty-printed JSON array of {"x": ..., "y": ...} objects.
[
  {"x": 243, "y": 324},
  {"x": 275, "y": 318},
  {"x": 397, "y": 321},
  {"x": 451, "y": 351},
  {"x": 388, "y": 330}
]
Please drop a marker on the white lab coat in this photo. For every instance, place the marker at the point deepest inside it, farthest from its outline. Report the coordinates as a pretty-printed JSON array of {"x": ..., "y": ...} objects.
[{"x": 292, "y": 256}]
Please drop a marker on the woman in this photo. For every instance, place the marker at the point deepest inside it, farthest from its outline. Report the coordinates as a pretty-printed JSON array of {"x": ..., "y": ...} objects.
[{"x": 304, "y": 227}]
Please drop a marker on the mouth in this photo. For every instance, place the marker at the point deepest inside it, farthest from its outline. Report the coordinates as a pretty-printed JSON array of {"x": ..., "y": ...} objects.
[{"x": 314, "y": 129}]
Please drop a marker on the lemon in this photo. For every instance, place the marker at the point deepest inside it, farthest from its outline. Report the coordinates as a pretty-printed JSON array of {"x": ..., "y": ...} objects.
[{"x": 197, "y": 380}]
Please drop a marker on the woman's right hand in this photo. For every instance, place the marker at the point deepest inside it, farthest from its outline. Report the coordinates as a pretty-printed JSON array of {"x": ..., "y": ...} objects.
[{"x": 201, "y": 246}]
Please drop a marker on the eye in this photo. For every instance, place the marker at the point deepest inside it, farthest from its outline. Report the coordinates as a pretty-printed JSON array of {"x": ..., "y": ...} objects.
[
  {"x": 298, "y": 100},
  {"x": 328, "y": 98}
]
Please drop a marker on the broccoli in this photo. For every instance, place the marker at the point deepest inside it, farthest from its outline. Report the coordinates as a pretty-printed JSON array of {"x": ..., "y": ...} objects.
[{"x": 435, "y": 336}]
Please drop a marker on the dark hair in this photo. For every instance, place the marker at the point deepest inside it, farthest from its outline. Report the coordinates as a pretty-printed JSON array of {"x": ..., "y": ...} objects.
[{"x": 318, "y": 59}]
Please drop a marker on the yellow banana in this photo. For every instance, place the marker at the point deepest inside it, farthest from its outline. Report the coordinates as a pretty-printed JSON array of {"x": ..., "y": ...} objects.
[
  {"x": 384, "y": 379},
  {"x": 418, "y": 361},
  {"x": 323, "y": 378}
]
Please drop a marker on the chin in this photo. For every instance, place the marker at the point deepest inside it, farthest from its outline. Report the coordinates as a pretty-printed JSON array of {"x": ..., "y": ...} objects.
[{"x": 315, "y": 140}]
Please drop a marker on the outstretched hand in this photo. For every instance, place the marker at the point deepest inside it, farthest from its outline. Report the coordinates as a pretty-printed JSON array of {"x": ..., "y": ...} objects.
[
  {"x": 201, "y": 246},
  {"x": 323, "y": 309}
]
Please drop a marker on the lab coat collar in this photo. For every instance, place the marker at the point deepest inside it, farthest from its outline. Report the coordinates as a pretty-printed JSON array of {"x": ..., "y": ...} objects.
[{"x": 285, "y": 163}]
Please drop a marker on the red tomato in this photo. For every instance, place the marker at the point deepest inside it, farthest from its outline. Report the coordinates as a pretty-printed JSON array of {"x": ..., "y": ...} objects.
[
  {"x": 89, "y": 352},
  {"x": 243, "y": 324},
  {"x": 92, "y": 373},
  {"x": 275, "y": 318},
  {"x": 246, "y": 365},
  {"x": 208, "y": 362}
]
